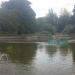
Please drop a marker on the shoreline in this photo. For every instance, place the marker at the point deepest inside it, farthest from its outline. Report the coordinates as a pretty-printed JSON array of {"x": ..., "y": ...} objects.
[{"x": 28, "y": 39}]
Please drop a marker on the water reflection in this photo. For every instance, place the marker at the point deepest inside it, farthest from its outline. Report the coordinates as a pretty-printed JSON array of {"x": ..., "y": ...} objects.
[
  {"x": 37, "y": 59},
  {"x": 51, "y": 50},
  {"x": 64, "y": 51},
  {"x": 73, "y": 51},
  {"x": 19, "y": 53}
]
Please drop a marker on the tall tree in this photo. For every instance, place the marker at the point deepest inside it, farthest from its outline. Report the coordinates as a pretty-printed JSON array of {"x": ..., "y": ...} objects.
[
  {"x": 72, "y": 20},
  {"x": 17, "y": 16},
  {"x": 52, "y": 18},
  {"x": 63, "y": 20},
  {"x": 48, "y": 23}
]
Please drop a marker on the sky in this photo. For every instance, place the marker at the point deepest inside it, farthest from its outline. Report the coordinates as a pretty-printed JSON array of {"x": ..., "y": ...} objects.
[{"x": 41, "y": 7}]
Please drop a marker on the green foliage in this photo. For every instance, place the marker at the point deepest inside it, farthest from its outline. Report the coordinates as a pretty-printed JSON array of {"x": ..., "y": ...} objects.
[
  {"x": 52, "y": 18},
  {"x": 69, "y": 29},
  {"x": 51, "y": 23},
  {"x": 71, "y": 26},
  {"x": 63, "y": 20},
  {"x": 16, "y": 16},
  {"x": 48, "y": 23}
]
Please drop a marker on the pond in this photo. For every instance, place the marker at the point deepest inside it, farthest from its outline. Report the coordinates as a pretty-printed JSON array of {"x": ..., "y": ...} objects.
[{"x": 37, "y": 59}]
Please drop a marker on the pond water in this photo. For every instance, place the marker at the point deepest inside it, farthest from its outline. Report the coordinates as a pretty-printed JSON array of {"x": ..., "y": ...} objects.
[{"x": 37, "y": 59}]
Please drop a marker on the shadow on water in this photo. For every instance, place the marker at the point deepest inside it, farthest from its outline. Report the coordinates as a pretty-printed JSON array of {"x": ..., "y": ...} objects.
[
  {"x": 73, "y": 51},
  {"x": 19, "y": 53}
]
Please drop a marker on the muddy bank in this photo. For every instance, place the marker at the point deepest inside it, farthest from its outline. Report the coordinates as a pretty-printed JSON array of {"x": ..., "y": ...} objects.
[
  {"x": 33, "y": 38},
  {"x": 23, "y": 39}
]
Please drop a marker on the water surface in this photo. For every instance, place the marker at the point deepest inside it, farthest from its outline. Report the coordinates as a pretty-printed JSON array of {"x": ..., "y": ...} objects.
[{"x": 37, "y": 59}]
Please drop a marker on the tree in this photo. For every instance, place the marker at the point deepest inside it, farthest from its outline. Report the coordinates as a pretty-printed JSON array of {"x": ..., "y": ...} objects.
[
  {"x": 72, "y": 19},
  {"x": 48, "y": 23},
  {"x": 71, "y": 28},
  {"x": 52, "y": 18},
  {"x": 17, "y": 16},
  {"x": 64, "y": 19}
]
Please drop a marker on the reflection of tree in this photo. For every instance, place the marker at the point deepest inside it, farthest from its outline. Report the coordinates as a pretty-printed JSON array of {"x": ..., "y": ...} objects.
[
  {"x": 64, "y": 51},
  {"x": 21, "y": 53},
  {"x": 73, "y": 51},
  {"x": 51, "y": 50}
]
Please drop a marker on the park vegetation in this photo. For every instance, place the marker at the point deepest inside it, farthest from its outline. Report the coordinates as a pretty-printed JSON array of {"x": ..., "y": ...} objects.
[
  {"x": 17, "y": 17},
  {"x": 53, "y": 23}
]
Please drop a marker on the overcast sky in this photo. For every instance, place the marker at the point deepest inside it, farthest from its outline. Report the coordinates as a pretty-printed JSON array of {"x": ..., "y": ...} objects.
[{"x": 41, "y": 6}]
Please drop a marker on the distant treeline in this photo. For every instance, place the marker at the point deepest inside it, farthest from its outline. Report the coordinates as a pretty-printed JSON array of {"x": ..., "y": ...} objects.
[
  {"x": 17, "y": 17},
  {"x": 52, "y": 23}
]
